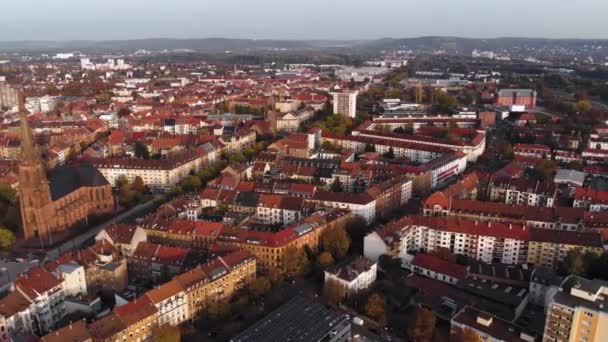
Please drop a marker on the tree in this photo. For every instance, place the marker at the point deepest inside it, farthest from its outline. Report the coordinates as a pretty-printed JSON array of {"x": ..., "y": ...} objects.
[
  {"x": 141, "y": 151},
  {"x": 7, "y": 238},
  {"x": 191, "y": 183},
  {"x": 275, "y": 275},
  {"x": 121, "y": 181},
  {"x": 390, "y": 154},
  {"x": 375, "y": 307},
  {"x": 325, "y": 259},
  {"x": 583, "y": 106},
  {"x": 295, "y": 262},
  {"x": 424, "y": 328},
  {"x": 357, "y": 228},
  {"x": 573, "y": 263},
  {"x": 336, "y": 241},
  {"x": 260, "y": 286},
  {"x": 138, "y": 185},
  {"x": 466, "y": 335},
  {"x": 333, "y": 292},
  {"x": 336, "y": 185},
  {"x": 237, "y": 157},
  {"x": 546, "y": 169},
  {"x": 166, "y": 333},
  {"x": 219, "y": 310},
  {"x": 7, "y": 194},
  {"x": 445, "y": 254}
]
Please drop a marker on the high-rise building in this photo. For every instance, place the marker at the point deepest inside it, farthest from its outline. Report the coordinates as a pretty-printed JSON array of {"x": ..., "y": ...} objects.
[
  {"x": 345, "y": 103},
  {"x": 579, "y": 312},
  {"x": 8, "y": 95}
]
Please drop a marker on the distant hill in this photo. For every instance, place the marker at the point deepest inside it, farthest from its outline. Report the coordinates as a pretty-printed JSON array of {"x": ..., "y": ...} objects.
[
  {"x": 210, "y": 45},
  {"x": 214, "y": 45}
]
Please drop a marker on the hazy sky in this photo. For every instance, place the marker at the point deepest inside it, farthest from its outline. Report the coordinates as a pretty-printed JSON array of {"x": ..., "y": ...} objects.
[{"x": 300, "y": 19}]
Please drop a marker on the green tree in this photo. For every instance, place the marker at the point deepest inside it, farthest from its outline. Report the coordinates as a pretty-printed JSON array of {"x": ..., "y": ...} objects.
[
  {"x": 260, "y": 286},
  {"x": 296, "y": 262},
  {"x": 7, "y": 238},
  {"x": 375, "y": 307},
  {"x": 325, "y": 259},
  {"x": 191, "y": 183},
  {"x": 166, "y": 333},
  {"x": 424, "y": 328},
  {"x": 336, "y": 241},
  {"x": 141, "y": 151}
]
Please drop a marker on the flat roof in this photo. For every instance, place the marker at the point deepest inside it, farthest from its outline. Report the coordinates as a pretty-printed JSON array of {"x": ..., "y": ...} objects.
[{"x": 299, "y": 320}]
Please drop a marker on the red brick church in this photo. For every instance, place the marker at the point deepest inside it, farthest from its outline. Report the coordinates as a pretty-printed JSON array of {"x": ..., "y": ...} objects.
[{"x": 68, "y": 196}]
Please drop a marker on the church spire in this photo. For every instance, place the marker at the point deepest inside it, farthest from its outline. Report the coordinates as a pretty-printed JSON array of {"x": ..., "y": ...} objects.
[{"x": 28, "y": 146}]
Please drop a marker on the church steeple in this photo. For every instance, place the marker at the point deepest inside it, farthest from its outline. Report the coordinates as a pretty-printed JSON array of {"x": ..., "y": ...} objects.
[{"x": 29, "y": 154}]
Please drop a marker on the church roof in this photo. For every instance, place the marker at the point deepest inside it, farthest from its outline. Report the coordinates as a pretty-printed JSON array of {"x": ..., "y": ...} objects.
[{"x": 66, "y": 179}]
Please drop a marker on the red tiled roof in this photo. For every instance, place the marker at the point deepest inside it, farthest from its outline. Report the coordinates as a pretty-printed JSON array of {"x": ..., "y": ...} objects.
[{"x": 435, "y": 263}]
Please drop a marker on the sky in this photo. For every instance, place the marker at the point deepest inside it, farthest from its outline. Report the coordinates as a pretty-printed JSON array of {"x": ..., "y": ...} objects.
[{"x": 300, "y": 19}]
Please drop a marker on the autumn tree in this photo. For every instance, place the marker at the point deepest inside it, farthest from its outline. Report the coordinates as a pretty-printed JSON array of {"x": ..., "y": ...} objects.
[
  {"x": 465, "y": 335},
  {"x": 166, "y": 333},
  {"x": 219, "y": 310},
  {"x": 275, "y": 275},
  {"x": 260, "y": 286},
  {"x": 138, "y": 185},
  {"x": 375, "y": 307},
  {"x": 333, "y": 292},
  {"x": 325, "y": 259},
  {"x": 583, "y": 106},
  {"x": 336, "y": 241},
  {"x": 424, "y": 328},
  {"x": 546, "y": 169},
  {"x": 295, "y": 262}
]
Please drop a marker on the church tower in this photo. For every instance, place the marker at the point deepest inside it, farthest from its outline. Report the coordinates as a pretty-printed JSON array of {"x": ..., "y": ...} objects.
[{"x": 34, "y": 191}]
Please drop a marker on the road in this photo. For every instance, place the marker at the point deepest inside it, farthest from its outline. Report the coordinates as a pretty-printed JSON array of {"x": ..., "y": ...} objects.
[{"x": 78, "y": 241}]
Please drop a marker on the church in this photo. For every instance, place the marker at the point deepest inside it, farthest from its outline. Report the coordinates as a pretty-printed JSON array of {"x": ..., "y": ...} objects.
[{"x": 67, "y": 197}]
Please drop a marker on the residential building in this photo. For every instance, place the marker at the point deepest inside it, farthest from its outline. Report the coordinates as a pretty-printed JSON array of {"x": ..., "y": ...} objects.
[
  {"x": 270, "y": 246},
  {"x": 345, "y": 103},
  {"x": 579, "y": 312},
  {"x": 352, "y": 276}
]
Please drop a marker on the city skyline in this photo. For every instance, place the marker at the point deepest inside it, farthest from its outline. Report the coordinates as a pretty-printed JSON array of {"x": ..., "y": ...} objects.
[{"x": 314, "y": 19}]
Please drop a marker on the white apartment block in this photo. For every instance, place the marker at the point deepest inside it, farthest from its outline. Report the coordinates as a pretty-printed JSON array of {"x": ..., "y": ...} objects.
[{"x": 345, "y": 103}]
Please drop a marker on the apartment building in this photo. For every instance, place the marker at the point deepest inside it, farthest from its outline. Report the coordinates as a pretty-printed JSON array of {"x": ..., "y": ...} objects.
[
  {"x": 270, "y": 246},
  {"x": 579, "y": 312},
  {"x": 523, "y": 192},
  {"x": 548, "y": 247},
  {"x": 590, "y": 199},
  {"x": 353, "y": 275},
  {"x": 162, "y": 173},
  {"x": 345, "y": 103}
]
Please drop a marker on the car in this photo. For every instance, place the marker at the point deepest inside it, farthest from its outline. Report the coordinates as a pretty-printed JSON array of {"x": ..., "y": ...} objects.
[{"x": 357, "y": 321}]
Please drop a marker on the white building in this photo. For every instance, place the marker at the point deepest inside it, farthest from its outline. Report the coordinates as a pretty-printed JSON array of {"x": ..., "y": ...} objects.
[
  {"x": 74, "y": 280},
  {"x": 354, "y": 276},
  {"x": 171, "y": 303},
  {"x": 345, "y": 103}
]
